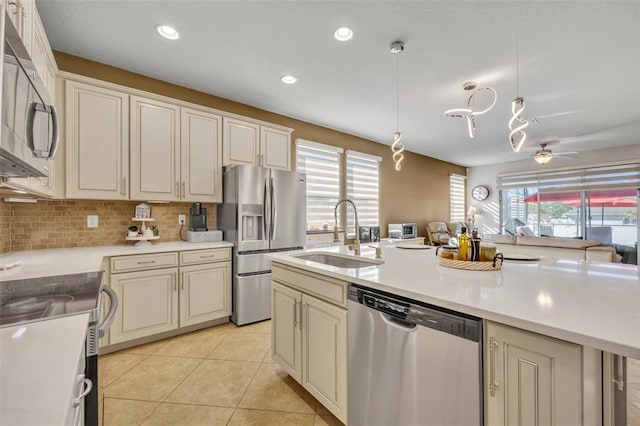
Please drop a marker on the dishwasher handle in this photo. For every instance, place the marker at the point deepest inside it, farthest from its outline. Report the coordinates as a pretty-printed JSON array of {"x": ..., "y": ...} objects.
[{"x": 398, "y": 323}]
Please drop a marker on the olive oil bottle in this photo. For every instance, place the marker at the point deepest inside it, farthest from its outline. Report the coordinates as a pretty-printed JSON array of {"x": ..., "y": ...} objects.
[{"x": 463, "y": 245}]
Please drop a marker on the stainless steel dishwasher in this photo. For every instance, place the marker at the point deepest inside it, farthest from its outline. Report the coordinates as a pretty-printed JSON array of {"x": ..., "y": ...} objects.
[{"x": 412, "y": 364}]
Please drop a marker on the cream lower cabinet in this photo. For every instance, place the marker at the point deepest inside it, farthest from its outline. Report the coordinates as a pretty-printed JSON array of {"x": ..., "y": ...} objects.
[
  {"x": 309, "y": 334},
  {"x": 158, "y": 296},
  {"x": 148, "y": 303},
  {"x": 531, "y": 379}
]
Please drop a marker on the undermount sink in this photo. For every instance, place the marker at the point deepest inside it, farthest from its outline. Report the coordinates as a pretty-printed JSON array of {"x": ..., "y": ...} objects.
[{"x": 339, "y": 261}]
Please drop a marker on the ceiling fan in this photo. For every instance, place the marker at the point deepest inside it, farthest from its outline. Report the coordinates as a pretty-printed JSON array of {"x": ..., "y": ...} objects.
[{"x": 544, "y": 155}]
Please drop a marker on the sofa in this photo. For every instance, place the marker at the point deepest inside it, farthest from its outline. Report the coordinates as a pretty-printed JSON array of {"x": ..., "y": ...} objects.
[
  {"x": 564, "y": 248},
  {"x": 438, "y": 233}
]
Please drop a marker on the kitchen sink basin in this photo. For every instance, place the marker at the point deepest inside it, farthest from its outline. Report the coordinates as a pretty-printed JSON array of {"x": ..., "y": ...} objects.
[{"x": 339, "y": 261}]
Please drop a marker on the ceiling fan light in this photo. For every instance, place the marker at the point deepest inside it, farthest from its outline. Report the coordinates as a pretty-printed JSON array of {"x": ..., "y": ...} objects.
[{"x": 542, "y": 158}]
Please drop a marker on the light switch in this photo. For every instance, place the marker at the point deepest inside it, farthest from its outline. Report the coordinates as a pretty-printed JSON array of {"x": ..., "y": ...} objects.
[{"x": 92, "y": 221}]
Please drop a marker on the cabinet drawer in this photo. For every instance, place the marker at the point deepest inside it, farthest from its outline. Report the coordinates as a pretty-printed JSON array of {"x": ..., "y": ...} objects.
[
  {"x": 193, "y": 257},
  {"x": 143, "y": 262},
  {"x": 329, "y": 289}
]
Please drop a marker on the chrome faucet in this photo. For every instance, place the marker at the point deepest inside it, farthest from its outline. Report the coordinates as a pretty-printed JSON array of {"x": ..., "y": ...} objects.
[{"x": 356, "y": 242}]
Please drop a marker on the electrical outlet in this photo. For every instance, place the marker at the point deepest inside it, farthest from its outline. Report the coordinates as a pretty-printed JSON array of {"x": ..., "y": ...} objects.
[
  {"x": 182, "y": 219},
  {"x": 92, "y": 221}
]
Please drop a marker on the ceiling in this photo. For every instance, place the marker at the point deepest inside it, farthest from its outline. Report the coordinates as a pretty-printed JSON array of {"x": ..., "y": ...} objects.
[{"x": 579, "y": 64}]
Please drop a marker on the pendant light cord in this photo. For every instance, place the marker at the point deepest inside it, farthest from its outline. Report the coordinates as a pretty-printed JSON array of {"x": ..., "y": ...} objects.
[
  {"x": 517, "y": 65},
  {"x": 397, "y": 92}
]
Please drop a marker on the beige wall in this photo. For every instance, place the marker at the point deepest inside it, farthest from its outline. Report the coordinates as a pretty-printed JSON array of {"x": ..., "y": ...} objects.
[{"x": 419, "y": 193}]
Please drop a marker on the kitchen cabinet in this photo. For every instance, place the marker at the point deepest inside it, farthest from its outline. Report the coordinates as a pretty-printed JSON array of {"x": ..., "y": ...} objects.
[
  {"x": 531, "y": 378},
  {"x": 201, "y": 156},
  {"x": 309, "y": 333},
  {"x": 20, "y": 12},
  {"x": 166, "y": 291},
  {"x": 249, "y": 143},
  {"x": 155, "y": 150},
  {"x": 97, "y": 142},
  {"x": 175, "y": 153}
]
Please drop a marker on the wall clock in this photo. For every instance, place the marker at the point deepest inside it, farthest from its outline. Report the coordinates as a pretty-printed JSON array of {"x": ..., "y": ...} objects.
[{"x": 480, "y": 193}]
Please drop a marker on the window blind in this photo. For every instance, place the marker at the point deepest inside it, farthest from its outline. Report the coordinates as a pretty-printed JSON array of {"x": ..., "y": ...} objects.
[
  {"x": 321, "y": 164},
  {"x": 363, "y": 188},
  {"x": 457, "y": 184},
  {"x": 601, "y": 177}
]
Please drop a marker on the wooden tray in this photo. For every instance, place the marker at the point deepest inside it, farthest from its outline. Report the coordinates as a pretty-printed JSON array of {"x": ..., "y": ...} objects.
[{"x": 493, "y": 265}]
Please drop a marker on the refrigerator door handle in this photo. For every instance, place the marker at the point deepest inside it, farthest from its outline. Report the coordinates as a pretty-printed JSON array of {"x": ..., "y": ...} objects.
[
  {"x": 266, "y": 232},
  {"x": 274, "y": 211}
]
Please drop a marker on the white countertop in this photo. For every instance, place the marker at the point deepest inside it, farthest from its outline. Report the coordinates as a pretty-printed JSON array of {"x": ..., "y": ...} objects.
[
  {"x": 589, "y": 303},
  {"x": 63, "y": 261},
  {"x": 39, "y": 369}
]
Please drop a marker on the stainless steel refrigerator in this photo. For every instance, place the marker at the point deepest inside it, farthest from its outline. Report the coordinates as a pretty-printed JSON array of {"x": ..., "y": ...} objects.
[{"x": 263, "y": 211}]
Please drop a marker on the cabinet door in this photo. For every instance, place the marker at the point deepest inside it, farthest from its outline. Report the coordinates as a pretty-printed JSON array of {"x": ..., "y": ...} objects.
[
  {"x": 201, "y": 164},
  {"x": 286, "y": 336},
  {"x": 275, "y": 148},
  {"x": 155, "y": 150},
  {"x": 21, "y": 14},
  {"x": 97, "y": 142},
  {"x": 148, "y": 303},
  {"x": 531, "y": 379},
  {"x": 39, "y": 48},
  {"x": 205, "y": 292},
  {"x": 324, "y": 354},
  {"x": 240, "y": 142}
]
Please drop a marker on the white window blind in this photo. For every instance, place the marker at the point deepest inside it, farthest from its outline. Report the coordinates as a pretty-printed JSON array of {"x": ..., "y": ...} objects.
[
  {"x": 363, "y": 188},
  {"x": 457, "y": 184},
  {"x": 321, "y": 164},
  {"x": 601, "y": 177}
]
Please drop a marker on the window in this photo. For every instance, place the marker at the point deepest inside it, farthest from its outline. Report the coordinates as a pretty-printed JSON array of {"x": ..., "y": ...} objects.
[
  {"x": 321, "y": 164},
  {"x": 597, "y": 203},
  {"x": 363, "y": 187},
  {"x": 457, "y": 191}
]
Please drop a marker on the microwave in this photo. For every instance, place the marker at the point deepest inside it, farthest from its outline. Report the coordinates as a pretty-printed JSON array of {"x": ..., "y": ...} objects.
[
  {"x": 403, "y": 230},
  {"x": 29, "y": 136}
]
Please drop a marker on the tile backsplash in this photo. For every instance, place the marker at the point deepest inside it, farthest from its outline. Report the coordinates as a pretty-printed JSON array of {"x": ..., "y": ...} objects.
[{"x": 57, "y": 224}]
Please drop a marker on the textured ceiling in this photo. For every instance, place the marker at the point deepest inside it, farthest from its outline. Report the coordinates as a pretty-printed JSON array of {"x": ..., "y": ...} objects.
[{"x": 579, "y": 64}]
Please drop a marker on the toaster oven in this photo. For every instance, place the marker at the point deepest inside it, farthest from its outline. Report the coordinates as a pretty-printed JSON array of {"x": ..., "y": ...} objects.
[{"x": 403, "y": 230}]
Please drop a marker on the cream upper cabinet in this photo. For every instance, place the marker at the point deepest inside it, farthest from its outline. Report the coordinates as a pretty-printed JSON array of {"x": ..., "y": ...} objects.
[
  {"x": 309, "y": 333},
  {"x": 205, "y": 293},
  {"x": 240, "y": 142},
  {"x": 531, "y": 379},
  {"x": 155, "y": 150},
  {"x": 21, "y": 14},
  {"x": 249, "y": 143},
  {"x": 97, "y": 142},
  {"x": 201, "y": 156},
  {"x": 275, "y": 148}
]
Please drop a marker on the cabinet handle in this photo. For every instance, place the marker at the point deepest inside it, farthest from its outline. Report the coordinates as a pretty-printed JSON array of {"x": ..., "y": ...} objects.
[
  {"x": 208, "y": 257},
  {"x": 88, "y": 385},
  {"x": 302, "y": 313},
  {"x": 184, "y": 191},
  {"x": 124, "y": 183},
  {"x": 493, "y": 385},
  {"x": 182, "y": 281},
  {"x": 619, "y": 380},
  {"x": 147, "y": 262},
  {"x": 175, "y": 285},
  {"x": 296, "y": 321}
]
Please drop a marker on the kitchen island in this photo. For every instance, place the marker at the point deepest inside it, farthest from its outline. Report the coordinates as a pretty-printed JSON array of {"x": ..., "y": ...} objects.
[{"x": 548, "y": 327}]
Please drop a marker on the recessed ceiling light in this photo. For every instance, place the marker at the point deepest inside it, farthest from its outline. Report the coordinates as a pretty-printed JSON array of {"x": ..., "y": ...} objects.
[
  {"x": 288, "y": 79},
  {"x": 167, "y": 32},
  {"x": 343, "y": 34}
]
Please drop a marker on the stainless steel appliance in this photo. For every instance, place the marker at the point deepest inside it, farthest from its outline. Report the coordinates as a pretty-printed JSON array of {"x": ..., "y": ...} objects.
[
  {"x": 263, "y": 211},
  {"x": 198, "y": 218},
  {"x": 403, "y": 230},
  {"x": 620, "y": 378},
  {"x": 411, "y": 363},
  {"x": 39, "y": 299},
  {"x": 29, "y": 136}
]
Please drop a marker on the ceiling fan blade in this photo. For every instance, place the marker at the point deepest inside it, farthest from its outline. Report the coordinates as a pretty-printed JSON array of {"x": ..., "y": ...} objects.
[{"x": 566, "y": 153}]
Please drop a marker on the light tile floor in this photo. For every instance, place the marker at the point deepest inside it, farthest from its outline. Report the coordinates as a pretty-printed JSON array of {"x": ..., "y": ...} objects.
[{"x": 222, "y": 375}]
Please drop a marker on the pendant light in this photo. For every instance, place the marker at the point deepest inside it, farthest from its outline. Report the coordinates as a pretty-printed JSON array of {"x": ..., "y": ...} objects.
[
  {"x": 517, "y": 136},
  {"x": 397, "y": 47},
  {"x": 468, "y": 113}
]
